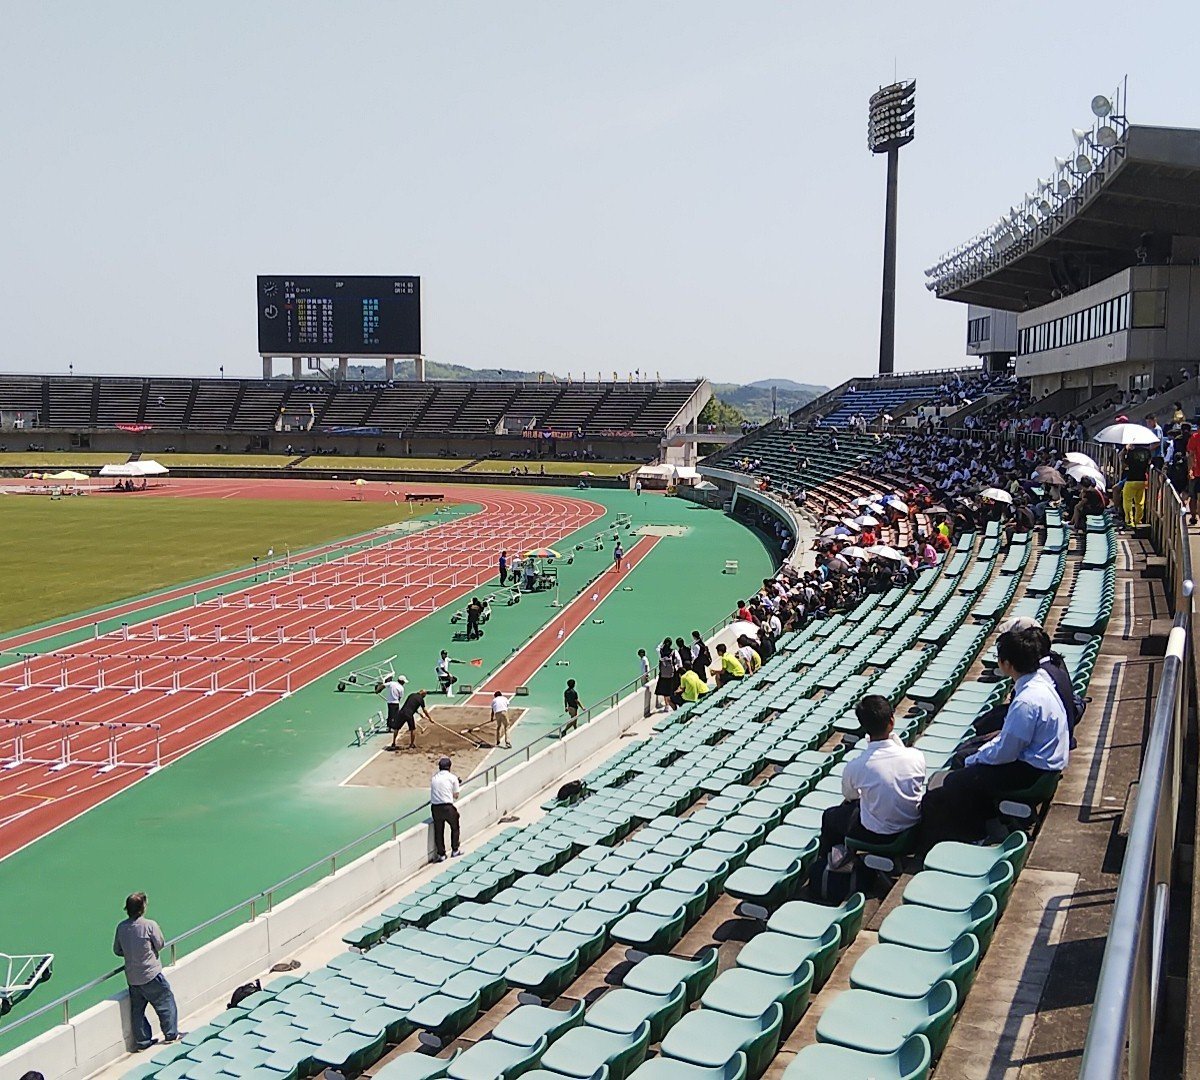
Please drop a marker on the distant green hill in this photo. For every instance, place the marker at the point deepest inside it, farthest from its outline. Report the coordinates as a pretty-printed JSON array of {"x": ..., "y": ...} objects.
[{"x": 753, "y": 400}]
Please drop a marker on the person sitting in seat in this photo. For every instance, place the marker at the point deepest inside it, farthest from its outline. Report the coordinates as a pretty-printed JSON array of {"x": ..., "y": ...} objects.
[
  {"x": 882, "y": 786},
  {"x": 1034, "y": 740},
  {"x": 729, "y": 668}
]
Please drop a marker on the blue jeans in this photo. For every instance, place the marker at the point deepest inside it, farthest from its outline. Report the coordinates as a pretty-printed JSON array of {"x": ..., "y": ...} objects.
[{"x": 157, "y": 994}]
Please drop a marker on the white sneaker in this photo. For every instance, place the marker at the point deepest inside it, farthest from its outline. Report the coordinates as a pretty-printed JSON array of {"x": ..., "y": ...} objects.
[{"x": 454, "y": 854}]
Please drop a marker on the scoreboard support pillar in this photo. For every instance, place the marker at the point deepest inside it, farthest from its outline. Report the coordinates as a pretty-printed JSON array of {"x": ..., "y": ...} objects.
[
  {"x": 297, "y": 368},
  {"x": 419, "y": 364},
  {"x": 268, "y": 367},
  {"x": 389, "y": 368},
  {"x": 343, "y": 368}
]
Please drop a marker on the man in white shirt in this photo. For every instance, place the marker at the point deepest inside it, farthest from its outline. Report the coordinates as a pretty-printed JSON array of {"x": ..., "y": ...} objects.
[
  {"x": 883, "y": 786},
  {"x": 393, "y": 694},
  {"x": 500, "y": 716},
  {"x": 443, "y": 791}
]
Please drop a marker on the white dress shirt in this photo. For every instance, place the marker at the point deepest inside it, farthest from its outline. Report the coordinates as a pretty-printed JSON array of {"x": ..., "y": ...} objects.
[
  {"x": 888, "y": 780},
  {"x": 393, "y": 692},
  {"x": 443, "y": 788},
  {"x": 499, "y": 704}
]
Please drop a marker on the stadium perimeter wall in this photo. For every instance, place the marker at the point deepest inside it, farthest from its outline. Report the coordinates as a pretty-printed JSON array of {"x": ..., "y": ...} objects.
[{"x": 98, "y": 1037}]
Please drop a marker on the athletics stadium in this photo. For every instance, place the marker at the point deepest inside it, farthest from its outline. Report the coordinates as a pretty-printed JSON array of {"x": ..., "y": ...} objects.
[{"x": 640, "y": 893}]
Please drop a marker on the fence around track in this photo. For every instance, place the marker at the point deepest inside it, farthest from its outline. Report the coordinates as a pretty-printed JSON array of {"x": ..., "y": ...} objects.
[{"x": 1121, "y": 1035}]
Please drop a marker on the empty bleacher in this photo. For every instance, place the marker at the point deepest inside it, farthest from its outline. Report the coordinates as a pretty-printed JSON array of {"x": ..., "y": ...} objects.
[
  {"x": 255, "y": 406},
  {"x": 873, "y": 401},
  {"x": 214, "y": 403},
  {"x": 690, "y": 848},
  {"x": 120, "y": 401},
  {"x": 70, "y": 403}
]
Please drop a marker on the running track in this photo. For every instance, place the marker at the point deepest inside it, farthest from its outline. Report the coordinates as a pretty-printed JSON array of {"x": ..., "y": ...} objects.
[{"x": 384, "y": 589}]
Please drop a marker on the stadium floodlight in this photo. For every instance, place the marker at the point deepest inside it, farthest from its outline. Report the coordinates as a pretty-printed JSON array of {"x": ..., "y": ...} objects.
[
  {"x": 1101, "y": 106},
  {"x": 1083, "y": 164},
  {"x": 891, "y": 124},
  {"x": 1106, "y": 136}
]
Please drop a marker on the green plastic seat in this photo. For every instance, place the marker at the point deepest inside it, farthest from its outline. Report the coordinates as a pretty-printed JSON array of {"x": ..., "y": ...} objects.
[
  {"x": 491, "y": 1059},
  {"x": 743, "y": 992},
  {"x": 664, "y": 1068},
  {"x": 444, "y": 1016},
  {"x": 785, "y": 954},
  {"x": 623, "y": 1011},
  {"x": 903, "y": 843},
  {"x": 933, "y": 930},
  {"x": 528, "y": 1024},
  {"x": 802, "y": 918},
  {"x": 651, "y": 933},
  {"x": 490, "y": 987},
  {"x": 711, "y": 1039},
  {"x": 953, "y": 892},
  {"x": 881, "y": 1023},
  {"x": 825, "y": 1061},
  {"x": 414, "y": 1066},
  {"x": 543, "y": 976},
  {"x": 583, "y": 1051},
  {"x": 705, "y": 870},
  {"x": 971, "y": 860},
  {"x": 350, "y": 1051},
  {"x": 911, "y": 973},
  {"x": 666, "y": 902},
  {"x": 659, "y": 975}
]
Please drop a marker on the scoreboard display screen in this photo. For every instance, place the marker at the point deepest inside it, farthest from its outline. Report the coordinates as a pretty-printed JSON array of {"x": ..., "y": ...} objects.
[{"x": 339, "y": 316}]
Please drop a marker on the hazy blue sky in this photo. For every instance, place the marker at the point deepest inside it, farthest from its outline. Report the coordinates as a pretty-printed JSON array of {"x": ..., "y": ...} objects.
[{"x": 674, "y": 186}]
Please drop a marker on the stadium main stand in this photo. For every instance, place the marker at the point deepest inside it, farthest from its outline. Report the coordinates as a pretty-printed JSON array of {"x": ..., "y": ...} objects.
[{"x": 250, "y": 406}]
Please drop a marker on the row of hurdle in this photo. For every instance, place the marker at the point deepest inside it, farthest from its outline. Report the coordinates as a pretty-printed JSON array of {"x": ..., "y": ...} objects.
[
  {"x": 56, "y": 744},
  {"x": 91, "y": 674},
  {"x": 246, "y": 634}
]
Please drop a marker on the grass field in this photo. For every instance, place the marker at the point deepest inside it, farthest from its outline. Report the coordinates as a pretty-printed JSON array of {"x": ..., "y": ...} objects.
[
  {"x": 555, "y": 468},
  {"x": 65, "y": 556},
  {"x": 52, "y": 462},
  {"x": 229, "y": 461},
  {"x": 411, "y": 464}
]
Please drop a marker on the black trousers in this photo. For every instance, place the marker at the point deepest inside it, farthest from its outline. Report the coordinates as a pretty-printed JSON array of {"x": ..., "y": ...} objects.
[
  {"x": 444, "y": 813},
  {"x": 839, "y": 822},
  {"x": 960, "y": 808},
  {"x": 503, "y": 574},
  {"x": 472, "y": 626}
]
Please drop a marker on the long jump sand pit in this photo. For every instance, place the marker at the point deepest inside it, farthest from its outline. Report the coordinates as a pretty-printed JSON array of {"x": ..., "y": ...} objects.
[{"x": 456, "y": 731}]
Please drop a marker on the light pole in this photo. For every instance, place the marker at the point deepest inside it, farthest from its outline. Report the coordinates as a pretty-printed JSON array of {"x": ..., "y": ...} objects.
[{"x": 891, "y": 124}]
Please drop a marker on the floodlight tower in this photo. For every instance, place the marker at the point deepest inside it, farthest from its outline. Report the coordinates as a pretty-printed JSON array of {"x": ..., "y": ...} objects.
[{"x": 891, "y": 124}]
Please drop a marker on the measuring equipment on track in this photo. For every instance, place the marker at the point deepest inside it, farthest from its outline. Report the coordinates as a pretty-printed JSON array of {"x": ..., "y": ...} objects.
[{"x": 370, "y": 677}]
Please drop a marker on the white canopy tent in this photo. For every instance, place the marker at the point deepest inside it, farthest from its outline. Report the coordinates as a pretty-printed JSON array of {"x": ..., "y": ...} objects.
[{"x": 135, "y": 470}]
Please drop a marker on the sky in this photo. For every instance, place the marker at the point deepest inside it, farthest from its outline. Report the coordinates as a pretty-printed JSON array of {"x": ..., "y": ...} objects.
[{"x": 673, "y": 186}]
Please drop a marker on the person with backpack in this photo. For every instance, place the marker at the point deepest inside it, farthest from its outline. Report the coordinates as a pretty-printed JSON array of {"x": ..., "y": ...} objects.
[
  {"x": 701, "y": 657},
  {"x": 668, "y": 676},
  {"x": 882, "y": 787}
]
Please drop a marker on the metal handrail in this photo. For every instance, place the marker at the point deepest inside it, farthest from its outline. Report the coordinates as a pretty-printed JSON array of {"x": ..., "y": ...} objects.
[{"x": 1127, "y": 995}]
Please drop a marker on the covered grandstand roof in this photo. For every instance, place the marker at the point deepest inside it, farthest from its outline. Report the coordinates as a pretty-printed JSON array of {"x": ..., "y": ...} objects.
[{"x": 1150, "y": 186}]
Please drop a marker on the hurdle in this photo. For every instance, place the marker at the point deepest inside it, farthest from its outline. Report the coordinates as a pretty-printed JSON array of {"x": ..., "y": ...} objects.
[{"x": 63, "y": 735}]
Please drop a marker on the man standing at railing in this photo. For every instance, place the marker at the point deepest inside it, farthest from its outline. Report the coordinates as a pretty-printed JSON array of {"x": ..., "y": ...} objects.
[
  {"x": 138, "y": 942},
  {"x": 443, "y": 792}
]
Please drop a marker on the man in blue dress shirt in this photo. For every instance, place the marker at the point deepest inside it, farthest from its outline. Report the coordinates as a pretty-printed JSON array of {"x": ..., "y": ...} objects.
[{"x": 1035, "y": 739}]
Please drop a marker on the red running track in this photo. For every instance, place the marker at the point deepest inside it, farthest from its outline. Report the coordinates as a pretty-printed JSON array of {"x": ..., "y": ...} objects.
[
  {"x": 522, "y": 666},
  {"x": 266, "y": 628}
]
